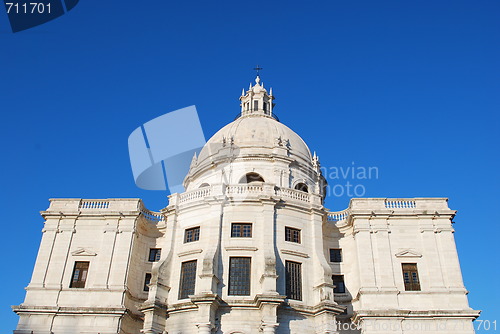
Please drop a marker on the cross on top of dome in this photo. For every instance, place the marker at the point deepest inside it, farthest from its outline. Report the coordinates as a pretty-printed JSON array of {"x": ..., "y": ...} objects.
[{"x": 258, "y": 68}]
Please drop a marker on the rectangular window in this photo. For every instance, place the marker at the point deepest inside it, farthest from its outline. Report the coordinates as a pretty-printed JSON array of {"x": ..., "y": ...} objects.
[
  {"x": 255, "y": 105},
  {"x": 188, "y": 279},
  {"x": 147, "y": 281},
  {"x": 80, "y": 272},
  {"x": 241, "y": 230},
  {"x": 154, "y": 254},
  {"x": 239, "y": 276},
  {"x": 338, "y": 281},
  {"x": 293, "y": 280},
  {"x": 292, "y": 234},
  {"x": 410, "y": 277},
  {"x": 192, "y": 234},
  {"x": 335, "y": 255}
]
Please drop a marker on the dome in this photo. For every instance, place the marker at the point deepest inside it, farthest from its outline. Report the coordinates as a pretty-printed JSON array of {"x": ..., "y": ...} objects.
[
  {"x": 257, "y": 134},
  {"x": 255, "y": 142}
]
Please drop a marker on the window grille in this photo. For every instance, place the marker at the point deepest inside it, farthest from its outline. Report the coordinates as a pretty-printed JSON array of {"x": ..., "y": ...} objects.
[
  {"x": 188, "y": 279},
  {"x": 239, "y": 276},
  {"x": 293, "y": 280},
  {"x": 241, "y": 230}
]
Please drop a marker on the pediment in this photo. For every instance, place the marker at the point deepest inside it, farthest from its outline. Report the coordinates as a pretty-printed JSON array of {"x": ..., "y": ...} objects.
[
  {"x": 408, "y": 253},
  {"x": 83, "y": 252}
]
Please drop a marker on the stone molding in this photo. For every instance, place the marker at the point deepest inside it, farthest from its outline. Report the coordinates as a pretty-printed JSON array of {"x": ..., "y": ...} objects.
[
  {"x": 189, "y": 252},
  {"x": 408, "y": 253},
  {"x": 240, "y": 248},
  {"x": 294, "y": 253},
  {"x": 83, "y": 252},
  {"x": 405, "y": 314}
]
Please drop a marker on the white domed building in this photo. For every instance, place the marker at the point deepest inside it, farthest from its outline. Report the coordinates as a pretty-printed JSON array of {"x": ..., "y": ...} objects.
[{"x": 248, "y": 248}]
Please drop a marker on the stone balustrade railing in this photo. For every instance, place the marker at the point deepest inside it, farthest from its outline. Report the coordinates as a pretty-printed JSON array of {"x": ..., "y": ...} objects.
[
  {"x": 244, "y": 189},
  {"x": 152, "y": 216},
  {"x": 337, "y": 216},
  {"x": 239, "y": 190},
  {"x": 195, "y": 194},
  {"x": 94, "y": 204},
  {"x": 400, "y": 203},
  {"x": 293, "y": 194},
  {"x": 391, "y": 205},
  {"x": 100, "y": 206}
]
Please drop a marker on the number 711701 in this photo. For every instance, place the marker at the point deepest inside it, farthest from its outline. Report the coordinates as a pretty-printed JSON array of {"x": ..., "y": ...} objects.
[{"x": 28, "y": 8}]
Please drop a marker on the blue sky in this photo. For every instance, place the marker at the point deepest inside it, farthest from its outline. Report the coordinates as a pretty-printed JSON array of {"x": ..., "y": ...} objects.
[{"x": 410, "y": 87}]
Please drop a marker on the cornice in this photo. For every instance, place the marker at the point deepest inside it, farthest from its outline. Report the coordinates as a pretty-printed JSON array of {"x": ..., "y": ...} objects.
[
  {"x": 294, "y": 253},
  {"x": 189, "y": 252},
  {"x": 241, "y": 248},
  {"x": 405, "y": 314}
]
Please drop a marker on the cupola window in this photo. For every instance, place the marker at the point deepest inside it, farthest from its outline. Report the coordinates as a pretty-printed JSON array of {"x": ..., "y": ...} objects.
[
  {"x": 251, "y": 177},
  {"x": 302, "y": 187}
]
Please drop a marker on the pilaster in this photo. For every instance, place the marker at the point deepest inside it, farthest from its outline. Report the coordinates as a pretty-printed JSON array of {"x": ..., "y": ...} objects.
[
  {"x": 268, "y": 305},
  {"x": 321, "y": 267},
  {"x": 123, "y": 247},
  {"x": 449, "y": 256},
  {"x": 383, "y": 257},
  {"x": 154, "y": 317},
  {"x": 208, "y": 280},
  {"x": 363, "y": 240},
  {"x": 431, "y": 256},
  {"x": 60, "y": 253},
  {"x": 207, "y": 306},
  {"x": 44, "y": 253},
  {"x": 269, "y": 277},
  {"x": 106, "y": 253}
]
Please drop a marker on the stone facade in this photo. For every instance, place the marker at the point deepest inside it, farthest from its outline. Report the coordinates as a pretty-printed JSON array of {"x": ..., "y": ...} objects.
[{"x": 248, "y": 248}]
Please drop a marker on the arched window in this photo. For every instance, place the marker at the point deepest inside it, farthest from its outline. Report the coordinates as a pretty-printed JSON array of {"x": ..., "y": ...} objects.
[
  {"x": 302, "y": 187},
  {"x": 251, "y": 177},
  {"x": 204, "y": 185}
]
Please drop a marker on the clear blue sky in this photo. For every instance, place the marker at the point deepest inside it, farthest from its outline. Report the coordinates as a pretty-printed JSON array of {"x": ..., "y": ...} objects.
[{"x": 410, "y": 87}]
